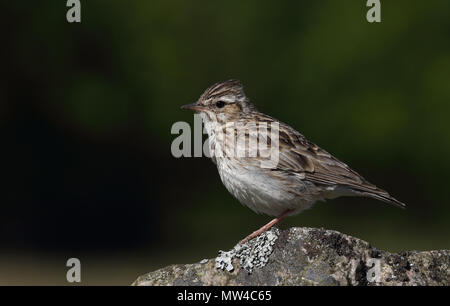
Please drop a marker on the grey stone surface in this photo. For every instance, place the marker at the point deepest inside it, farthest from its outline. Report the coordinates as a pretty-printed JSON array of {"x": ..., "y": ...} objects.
[
  {"x": 308, "y": 256},
  {"x": 254, "y": 254}
]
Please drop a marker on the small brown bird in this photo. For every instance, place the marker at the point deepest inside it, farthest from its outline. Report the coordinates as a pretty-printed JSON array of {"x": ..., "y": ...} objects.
[{"x": 301, "y": 173}]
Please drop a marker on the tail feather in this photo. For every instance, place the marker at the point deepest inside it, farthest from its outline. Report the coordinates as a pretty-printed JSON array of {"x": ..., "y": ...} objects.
[{"x": 383, "y": 196}]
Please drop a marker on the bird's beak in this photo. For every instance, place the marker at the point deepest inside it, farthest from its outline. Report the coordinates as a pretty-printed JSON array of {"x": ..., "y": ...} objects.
[{"x": 194, "y": 107}]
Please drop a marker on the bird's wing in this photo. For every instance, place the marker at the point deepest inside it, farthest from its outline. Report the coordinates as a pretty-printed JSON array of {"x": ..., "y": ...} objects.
[
  {"x": 299, "y": 155},
  {"x": 296, "y": 154}
]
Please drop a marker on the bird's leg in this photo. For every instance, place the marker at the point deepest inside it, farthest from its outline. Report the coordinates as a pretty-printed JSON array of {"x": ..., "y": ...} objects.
[{"x": 266, "y": 227}]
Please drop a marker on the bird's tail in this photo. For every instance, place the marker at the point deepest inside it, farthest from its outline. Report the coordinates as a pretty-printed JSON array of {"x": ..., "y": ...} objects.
[{"x": 382, "y": 195}]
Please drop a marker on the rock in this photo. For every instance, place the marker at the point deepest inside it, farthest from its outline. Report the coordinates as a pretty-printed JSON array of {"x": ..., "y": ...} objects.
[{"x": 308, "y": 256}]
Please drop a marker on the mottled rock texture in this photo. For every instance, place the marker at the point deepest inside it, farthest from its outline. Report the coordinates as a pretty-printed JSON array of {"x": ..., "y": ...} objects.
[{"x": 310, "y": 256}]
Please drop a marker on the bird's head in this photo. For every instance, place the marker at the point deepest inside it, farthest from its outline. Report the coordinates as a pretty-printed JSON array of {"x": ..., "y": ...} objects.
[{"x": 224, "y": 101}]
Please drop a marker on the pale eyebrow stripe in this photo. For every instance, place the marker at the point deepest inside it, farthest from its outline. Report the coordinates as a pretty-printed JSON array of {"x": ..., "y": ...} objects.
[{"x": 225, "y": 99}]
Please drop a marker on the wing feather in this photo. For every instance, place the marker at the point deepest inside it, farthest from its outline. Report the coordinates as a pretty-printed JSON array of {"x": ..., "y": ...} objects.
[{"x": 299, "y": 155}]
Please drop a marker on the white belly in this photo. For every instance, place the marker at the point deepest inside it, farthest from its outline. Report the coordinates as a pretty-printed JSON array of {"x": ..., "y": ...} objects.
[
  {"x": 261, "y": 192},
  {"x": 256, "y": 189}
]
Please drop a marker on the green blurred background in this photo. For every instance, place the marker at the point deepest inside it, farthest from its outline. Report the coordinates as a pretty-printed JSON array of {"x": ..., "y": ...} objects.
[{"x": 86, "y": 111}]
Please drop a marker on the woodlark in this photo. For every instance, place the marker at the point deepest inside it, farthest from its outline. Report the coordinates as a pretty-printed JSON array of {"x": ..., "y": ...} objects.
[{"x": 301, "y": 172}]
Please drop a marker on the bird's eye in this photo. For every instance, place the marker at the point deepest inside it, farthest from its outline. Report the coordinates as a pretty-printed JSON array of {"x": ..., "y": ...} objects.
[{"x": 220, "y": 104}]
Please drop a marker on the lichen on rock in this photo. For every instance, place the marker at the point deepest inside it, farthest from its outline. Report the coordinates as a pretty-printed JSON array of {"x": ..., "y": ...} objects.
[
  {"x": 253, "y": 254},
  {"x": 308, "y": 256}
]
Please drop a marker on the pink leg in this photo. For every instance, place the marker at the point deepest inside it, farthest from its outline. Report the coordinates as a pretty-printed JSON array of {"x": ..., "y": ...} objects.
[{"x": 267, "y": 226}]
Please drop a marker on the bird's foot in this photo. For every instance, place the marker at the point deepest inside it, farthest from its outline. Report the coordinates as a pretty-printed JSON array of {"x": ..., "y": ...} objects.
[{"x": 266, "y": 227}]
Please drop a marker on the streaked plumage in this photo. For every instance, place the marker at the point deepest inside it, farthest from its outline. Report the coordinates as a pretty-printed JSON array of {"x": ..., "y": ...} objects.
[{"x": 304, "y": 174}]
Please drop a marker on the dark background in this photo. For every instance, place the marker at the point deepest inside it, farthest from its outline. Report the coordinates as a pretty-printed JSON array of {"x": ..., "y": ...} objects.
[{"x": 86, "y": 112}]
